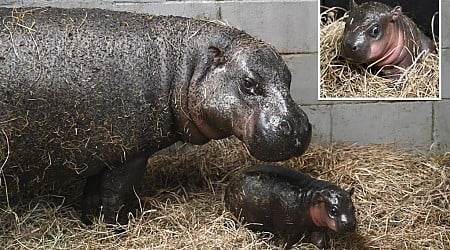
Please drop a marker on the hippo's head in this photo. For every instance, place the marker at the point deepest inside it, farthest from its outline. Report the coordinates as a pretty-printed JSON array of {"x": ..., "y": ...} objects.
[
  {"x": 333, "y": 208},
  {"x": 243, "y": 90},
  {"x": 370, "y": 33}
]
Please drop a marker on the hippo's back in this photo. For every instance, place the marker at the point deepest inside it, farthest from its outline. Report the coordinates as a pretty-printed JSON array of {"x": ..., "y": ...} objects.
[{"x": 84, "y": 89}]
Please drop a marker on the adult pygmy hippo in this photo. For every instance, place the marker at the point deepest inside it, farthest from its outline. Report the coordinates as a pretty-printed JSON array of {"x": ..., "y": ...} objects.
[
  {"x": 290, "y": 204},
  {"x": 383, "y": 36},
  {"x": 94, "y": 93}
]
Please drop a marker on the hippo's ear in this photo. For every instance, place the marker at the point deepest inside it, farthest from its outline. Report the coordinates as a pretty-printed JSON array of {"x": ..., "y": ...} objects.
[
  {"x": 217, "y": 54},
  {"x": 352, "y": 5},
  {"x": 351, "y": 191},
  {"x": 212, "y": 57},
  {"x": 318, "y": 197},
  {"x": 395, "y": 13}
]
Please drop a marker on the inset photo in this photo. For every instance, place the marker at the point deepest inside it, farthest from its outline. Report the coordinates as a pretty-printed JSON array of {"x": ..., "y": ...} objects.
[{"x": 379, "y": 50}]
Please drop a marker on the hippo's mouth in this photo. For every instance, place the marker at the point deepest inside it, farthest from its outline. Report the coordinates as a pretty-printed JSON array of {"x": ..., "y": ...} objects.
[
  {"x": 353, "y": 60},
  {"x": 320, "y": 218},
  {"x": 354, "y": 57}
]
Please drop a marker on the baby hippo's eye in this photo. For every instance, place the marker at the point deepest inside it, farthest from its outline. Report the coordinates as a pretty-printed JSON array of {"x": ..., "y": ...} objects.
[
  {"x": 334, "y": 211},
  {"x": 375, "y": 31}
]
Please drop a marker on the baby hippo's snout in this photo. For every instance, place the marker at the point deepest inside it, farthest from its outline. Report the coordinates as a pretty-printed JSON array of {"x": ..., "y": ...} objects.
[
  {"x": 347, "y": 224},
  {"x": 350, "y": 47},
  {"x": 354, "y": 50}
]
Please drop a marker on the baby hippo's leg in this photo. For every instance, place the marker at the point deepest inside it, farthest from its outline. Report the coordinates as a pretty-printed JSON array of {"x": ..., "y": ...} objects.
[
  {"x": 291, "y": 239},
  {"x": 426, "y": 43},
  {"x": 320, "y": 239},
  {"x": 391, "y": 72}
]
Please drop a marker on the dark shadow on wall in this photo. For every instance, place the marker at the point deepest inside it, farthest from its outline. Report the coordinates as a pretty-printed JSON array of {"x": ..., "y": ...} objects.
[{"x": 420, "y": 11}]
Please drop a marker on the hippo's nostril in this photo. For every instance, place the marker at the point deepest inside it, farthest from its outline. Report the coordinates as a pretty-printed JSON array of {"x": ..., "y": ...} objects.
[
  {"x": 354, "y": 48},
  {"x": 285, "y": 127},
  {"x": 350, "y": 225}
]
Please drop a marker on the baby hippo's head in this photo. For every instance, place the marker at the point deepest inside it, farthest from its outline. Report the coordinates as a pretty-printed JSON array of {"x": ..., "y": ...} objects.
[
  {"x": 333, "y": 208},
  {"x": 370, "y": 32}
]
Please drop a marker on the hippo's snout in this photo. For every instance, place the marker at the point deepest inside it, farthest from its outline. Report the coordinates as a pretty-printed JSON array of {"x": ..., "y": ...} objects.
[
  {"x": 347, "y": 225},
  {"x": 354, "y": 50},
  {"x": 285, "y": 127},
  {"x": 350, "y": 47},
  {"x": 280, "y": 137}
]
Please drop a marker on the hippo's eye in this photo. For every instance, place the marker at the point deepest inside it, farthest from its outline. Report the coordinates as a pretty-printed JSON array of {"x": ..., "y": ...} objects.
[
  {"x": 375, "y": 31},
  {"x": 249, "y": 86},
  {"x": 334, "y": 211}
]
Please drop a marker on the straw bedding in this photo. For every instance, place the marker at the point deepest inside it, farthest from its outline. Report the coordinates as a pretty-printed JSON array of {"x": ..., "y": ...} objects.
[
  {"x": 340, "y": 79},
  {"x": 402, "y": 202}
]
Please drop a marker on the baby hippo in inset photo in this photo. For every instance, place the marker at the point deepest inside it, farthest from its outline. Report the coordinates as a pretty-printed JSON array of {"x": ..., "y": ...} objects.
[
  {"x": 290, "y": 204},
  {"x": 382, "y": 36}
]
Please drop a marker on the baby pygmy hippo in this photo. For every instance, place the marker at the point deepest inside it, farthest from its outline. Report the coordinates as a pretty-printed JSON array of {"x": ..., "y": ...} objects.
[
  {"x": 290, "y": 204},
  {"x": 380, "y": 35}
]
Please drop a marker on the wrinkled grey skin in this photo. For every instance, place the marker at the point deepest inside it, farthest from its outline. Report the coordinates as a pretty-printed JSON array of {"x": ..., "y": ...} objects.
[
  {"x": 290, "y": 204},
  {"x": 367, "y": 27},
  {"x": 94, "y": 93}
]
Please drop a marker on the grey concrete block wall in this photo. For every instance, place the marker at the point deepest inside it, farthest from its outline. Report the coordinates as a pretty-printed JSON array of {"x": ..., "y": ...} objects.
[
  {"x": 441, "y": 126},
  {"x": 445, "y": 72},
  {"x": 291, "y": 26},
  {"x": 304, "y": 68},
  {"x": 445, "y": 13},
  {"x": 277, "y": 22},
  {"x": 398, "y": 122},
  {"x": 321, "y": 120}
]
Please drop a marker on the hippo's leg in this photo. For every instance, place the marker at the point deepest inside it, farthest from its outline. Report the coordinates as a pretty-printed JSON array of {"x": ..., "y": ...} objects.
[
  {"x": 113, "y": 188},
  {"x": 291, "y": 239},
  {"x": 319, "y": 238},
  {"x": 91, "y": 199},
  {"x": 117, "y": 188},
  {"x": 391, "y": 72}
]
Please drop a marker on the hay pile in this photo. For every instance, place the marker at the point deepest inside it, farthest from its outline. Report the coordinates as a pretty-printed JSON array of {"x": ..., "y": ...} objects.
[
  {"x": 340, "y": 79},
  {"x": 402, "y": 202}
]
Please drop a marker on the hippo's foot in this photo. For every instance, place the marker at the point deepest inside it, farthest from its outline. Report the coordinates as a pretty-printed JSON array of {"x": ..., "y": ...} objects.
[
  {"x": 291, "y": 239},
  {"x": 99, "y": 201},
  {"x": 114, "y": 209},
  {"x": 320, "y": 239},
  {"x": 110, "y": 192},
  {"x": 391, "y": 72},
  {"x": 92, "y": 201}
]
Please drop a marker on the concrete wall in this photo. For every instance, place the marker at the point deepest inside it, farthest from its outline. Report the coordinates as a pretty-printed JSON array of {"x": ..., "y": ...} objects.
[{"x": 292, "y": 27}]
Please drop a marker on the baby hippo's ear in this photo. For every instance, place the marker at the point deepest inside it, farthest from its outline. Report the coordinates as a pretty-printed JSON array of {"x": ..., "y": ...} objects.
[
  {"x": 318, "y": 197},
  {"x": 218, "y": 55},
  {"x": 351, "y": 191},
  {"x": 395, "y": 13}
]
